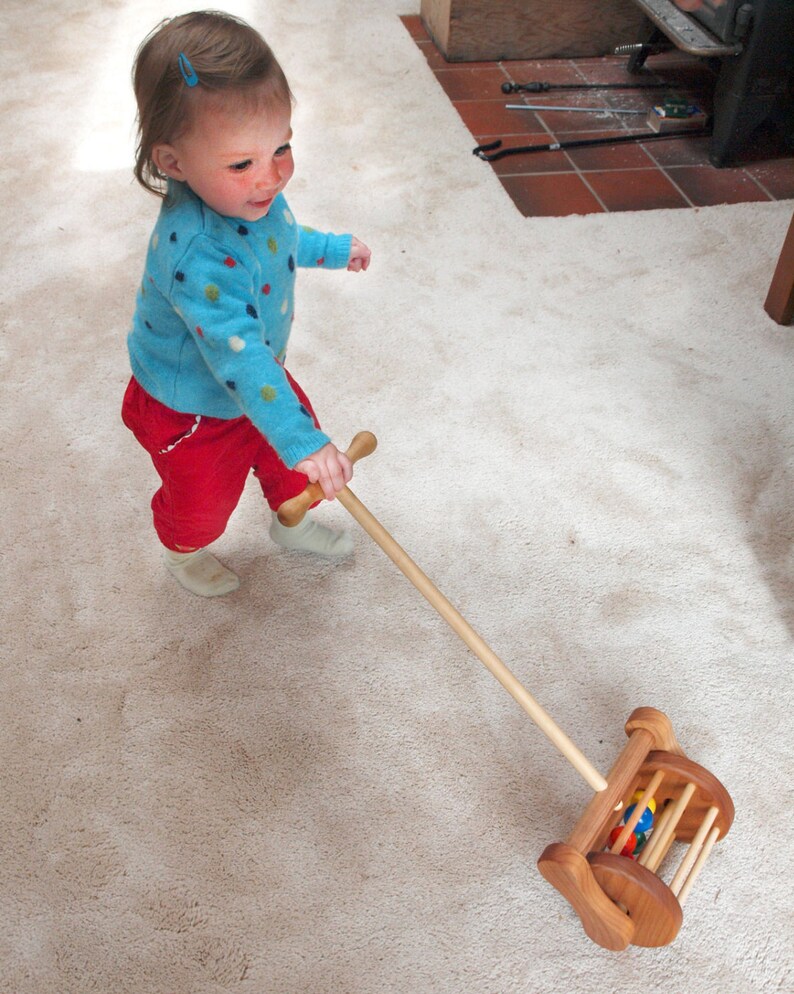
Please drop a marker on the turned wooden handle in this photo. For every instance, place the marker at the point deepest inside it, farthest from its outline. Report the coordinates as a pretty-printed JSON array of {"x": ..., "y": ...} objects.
[{"x": 292, "y": 511}]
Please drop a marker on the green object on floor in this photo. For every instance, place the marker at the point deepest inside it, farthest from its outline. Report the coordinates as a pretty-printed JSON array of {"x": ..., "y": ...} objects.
[{"x": 677, "y": 107}]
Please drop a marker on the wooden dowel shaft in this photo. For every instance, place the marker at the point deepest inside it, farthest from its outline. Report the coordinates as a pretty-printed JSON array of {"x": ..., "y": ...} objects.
[
  {"x": 693, "y": 851},
  {"x": 461, "y": 627},
  {"x": 711, "y": 838}
]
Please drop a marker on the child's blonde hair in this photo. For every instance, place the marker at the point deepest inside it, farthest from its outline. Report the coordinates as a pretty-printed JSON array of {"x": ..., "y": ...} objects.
[{"x": 182, "y": 60}]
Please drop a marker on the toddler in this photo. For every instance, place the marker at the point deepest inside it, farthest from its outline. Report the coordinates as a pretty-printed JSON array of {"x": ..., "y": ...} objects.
[{"x": 210, "y": 398}]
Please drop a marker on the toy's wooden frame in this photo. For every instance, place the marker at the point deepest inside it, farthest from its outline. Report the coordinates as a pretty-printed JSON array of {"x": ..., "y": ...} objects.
[{"x": 623, "y": 901}]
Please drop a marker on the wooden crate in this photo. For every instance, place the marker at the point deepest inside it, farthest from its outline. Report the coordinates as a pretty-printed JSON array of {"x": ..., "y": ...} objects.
[{"x": 491, "y": 30}]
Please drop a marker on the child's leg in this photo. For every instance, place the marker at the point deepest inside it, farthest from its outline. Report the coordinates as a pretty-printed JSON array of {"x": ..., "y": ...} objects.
[
  {"x": 280, "y": 484},
  {"x": 203, "y": 464}
]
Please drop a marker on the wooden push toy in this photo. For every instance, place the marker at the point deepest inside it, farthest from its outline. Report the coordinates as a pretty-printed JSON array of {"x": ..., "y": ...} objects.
[{"x": 653, "y": 796}]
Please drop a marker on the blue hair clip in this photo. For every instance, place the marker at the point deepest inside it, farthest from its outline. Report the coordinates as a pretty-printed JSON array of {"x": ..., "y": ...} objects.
[{"x": 188, "y": 72}]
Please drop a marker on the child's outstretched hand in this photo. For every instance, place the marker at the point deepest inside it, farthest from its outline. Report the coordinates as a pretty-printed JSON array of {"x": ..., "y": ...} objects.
[
  {"x": 329, "y": 467},
  {"x": 359, "y": 257}
]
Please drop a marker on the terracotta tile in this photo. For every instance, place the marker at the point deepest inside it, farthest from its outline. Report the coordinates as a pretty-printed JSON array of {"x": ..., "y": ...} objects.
[
  {"x": 705, "y": 185},
  {"x": 555, "y": 195},
  {"x": 488, "y": 117},
  {"x": 415, "y": 27},
  {"x": 562, "y": 122},
  {"x": 635, "y": 190},
  {"x": 680, "y": 151},
  {"x": 694, "y": 75},
  {"x": 586, "y": 113},
  {"x": 765, "y": 145},
  {"x": 434, "y": 58},
  {"x": 472, "y": 84},
  {"x": 692, "y": 78},
  {"x": 681, "y": 69},
  {"x": 543, "y": 71},
  {"x": 612, "y": 69},
  {"x": 776, "y": 176},
  {"x": 628, "y": 155},
  {"x": 529, "y": 163}
]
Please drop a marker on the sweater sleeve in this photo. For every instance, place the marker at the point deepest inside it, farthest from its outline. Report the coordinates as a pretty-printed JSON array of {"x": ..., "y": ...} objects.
[
  {"x": 214, "y": 295},
  {"x": 323, "y": 249}
]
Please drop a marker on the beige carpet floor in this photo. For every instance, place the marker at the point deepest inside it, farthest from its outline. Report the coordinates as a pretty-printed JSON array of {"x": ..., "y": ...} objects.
[{"x": 311, "y": 786}]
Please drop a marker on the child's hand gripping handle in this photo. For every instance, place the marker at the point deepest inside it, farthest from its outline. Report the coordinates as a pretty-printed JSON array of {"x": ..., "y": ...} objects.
[{"x": 292, "y": 511}]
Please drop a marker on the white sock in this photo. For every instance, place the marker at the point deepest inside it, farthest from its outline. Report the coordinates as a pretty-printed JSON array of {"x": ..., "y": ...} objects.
[
  {"x": 200, "y": 572},
  {"x": 308, "y": 536}
]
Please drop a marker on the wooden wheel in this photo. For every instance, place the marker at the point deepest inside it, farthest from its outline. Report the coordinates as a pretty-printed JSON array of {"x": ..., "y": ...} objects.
[{"x": 654, "y": 912}]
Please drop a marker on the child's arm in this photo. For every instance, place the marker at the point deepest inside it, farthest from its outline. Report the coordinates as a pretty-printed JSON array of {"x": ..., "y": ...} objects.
[{"x": 319, "y": 249}]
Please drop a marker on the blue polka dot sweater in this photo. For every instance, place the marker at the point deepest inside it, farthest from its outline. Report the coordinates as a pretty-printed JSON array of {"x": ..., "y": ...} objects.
[{"x": 214, "y": 311}]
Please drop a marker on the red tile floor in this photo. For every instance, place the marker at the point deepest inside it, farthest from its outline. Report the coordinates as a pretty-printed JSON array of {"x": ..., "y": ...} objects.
[{"x": 671, "y": 172}]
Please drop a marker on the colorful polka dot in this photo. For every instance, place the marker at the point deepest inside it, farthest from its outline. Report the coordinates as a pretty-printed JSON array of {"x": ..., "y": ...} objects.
[
  {"x": 231, "y": 384},
  {"x": 241, "y": 229},
  {"x": 236, "y": 344},
  {"x": 148, "y": 325},
  {"x": 155, "y": 241},
  {"x": 266, "y": 289},
  {"x": 179, "y": 276},
  {"x": 211, "y": 292},
  {"x": 285, "y": 307},
  {"x": 288, "y": 217},
  {"x": 268, "y": 394},
  {"x": 304, "y": 411},
  {"x": 321, "y": 261},
  {"x": 272, "y": 244},
  {"x": 250, "y": 310},
  {"x": 228, "y": 261},
  {"x": 172, "y": 237},
  {"x": 307, "y": 229},
  {"x": 199, "y": 331},
  {"x": 291, "y": 264}
]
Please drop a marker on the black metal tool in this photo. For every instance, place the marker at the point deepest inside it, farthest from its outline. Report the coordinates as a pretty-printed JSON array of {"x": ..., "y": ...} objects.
[
  {"x": 494, "y": 151},
  {"x": 539, "y": 87}
]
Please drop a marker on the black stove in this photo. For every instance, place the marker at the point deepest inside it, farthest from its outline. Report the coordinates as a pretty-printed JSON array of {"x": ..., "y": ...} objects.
[{"x": 752, "y": 44}]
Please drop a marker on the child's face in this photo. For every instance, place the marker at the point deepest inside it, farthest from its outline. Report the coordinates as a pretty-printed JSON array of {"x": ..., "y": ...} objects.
[{"x": 236, "y": 163}]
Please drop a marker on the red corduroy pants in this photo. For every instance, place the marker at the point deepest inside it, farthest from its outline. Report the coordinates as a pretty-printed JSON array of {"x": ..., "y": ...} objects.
[{"x": 203, "y": 464}]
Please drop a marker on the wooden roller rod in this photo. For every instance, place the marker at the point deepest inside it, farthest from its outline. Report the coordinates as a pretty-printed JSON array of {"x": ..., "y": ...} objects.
[
  {"x": 663, "y": 838},
  {"x": 693, "y": 851},
  {"x": 656, "y": 835},
  {"x": 711, "y": 838},
  {"x": 290, "y": 514},
  {"x": 638, "y": 811}
]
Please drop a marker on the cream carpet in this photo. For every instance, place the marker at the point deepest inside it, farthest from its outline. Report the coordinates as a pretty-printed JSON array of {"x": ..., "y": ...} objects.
[{"x": 312, "y": 787}]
